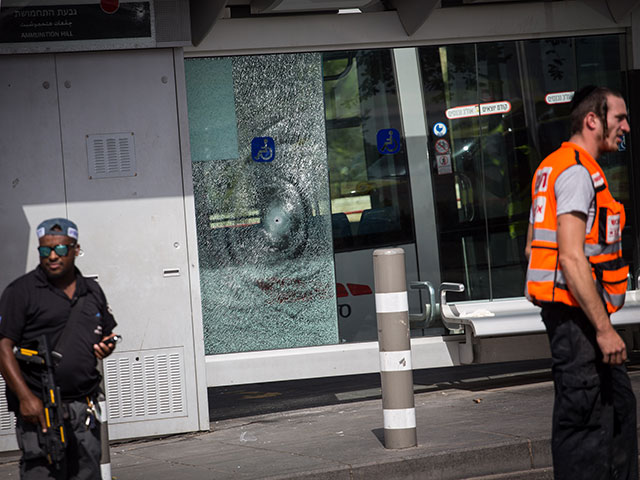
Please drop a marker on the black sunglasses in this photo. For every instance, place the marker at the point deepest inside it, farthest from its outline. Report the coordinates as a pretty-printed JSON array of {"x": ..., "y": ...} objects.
[{"x": 61, "y": 250}]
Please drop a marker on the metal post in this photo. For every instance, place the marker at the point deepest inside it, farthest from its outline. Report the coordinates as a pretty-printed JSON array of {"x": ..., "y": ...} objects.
[
  {"x": 392, "y": 311},
  {"x": 105, "y": 458}
]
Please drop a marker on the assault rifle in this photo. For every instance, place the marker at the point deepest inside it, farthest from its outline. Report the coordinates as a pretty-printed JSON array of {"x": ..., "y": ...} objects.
[{"x": 54, "y": 437}]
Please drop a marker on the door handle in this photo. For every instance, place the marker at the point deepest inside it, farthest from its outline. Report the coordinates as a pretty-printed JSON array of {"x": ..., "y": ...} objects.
[
  {"x": 449, "y": 287},
  {"x": 431, "y": 310}
]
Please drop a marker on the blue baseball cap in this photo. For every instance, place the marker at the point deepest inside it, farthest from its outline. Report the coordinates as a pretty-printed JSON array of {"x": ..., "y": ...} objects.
[{"x": 57, "y": 226}]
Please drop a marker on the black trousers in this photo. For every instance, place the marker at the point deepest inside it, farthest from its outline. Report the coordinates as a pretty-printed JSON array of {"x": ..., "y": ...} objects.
[{"x": 594, "y": 413}]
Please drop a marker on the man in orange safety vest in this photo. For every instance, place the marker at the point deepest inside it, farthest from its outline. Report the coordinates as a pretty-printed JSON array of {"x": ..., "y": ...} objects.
[{"x": 577, "y": 275}]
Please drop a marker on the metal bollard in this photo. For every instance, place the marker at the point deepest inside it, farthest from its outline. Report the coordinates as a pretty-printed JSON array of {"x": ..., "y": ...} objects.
[
  {"x": 392, "y": 312},
  {"x": 105, "y": 458}
]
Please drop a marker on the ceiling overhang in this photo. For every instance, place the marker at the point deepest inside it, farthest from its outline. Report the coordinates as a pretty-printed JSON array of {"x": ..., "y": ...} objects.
[
  {"x": 412, "y": 13},
  {"x": 621, "y": 8}
]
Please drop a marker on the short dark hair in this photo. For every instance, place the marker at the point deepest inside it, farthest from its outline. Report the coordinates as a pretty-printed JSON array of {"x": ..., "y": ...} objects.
[{"x": 590, "y": 99}]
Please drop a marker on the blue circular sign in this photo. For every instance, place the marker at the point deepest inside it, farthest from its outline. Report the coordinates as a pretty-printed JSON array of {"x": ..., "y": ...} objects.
[{"x": 439, "y": 129}]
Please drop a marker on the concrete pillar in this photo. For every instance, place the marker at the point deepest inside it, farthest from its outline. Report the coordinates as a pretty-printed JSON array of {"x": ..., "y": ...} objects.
[{"x": 392, "y": 311}]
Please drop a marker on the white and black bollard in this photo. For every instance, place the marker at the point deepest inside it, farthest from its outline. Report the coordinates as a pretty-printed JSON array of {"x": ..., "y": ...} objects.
[
  {"x": 392, "y": 311},
  {"x": 105, "y": 458}
]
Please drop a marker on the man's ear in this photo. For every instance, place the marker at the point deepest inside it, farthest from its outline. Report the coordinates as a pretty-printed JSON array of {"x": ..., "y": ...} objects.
[
  {"x": 591, "y": 121},
  {"x": 77, "y": 250}
]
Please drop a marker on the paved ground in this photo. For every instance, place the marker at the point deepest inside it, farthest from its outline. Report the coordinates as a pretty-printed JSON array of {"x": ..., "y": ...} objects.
[{"x": 483, "y": 425}]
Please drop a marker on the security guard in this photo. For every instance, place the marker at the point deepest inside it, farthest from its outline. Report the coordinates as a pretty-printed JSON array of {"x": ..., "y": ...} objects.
[
  {"x": 577, "y": 276},
  {"x": 55, "y": 300}
]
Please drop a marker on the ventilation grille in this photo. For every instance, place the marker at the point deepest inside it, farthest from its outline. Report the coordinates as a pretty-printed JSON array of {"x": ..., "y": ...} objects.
[
  {"x": 145, "y": 385},
  {"x": 111, "y": 155},
  {"x": 7, "y": 419}
]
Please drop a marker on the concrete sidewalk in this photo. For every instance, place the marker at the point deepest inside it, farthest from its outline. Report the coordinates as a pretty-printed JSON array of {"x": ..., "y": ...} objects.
[{"x": 482, "y": 428}]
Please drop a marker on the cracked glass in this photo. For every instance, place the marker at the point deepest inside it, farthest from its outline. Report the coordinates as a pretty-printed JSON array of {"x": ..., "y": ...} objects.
[{"x": 260, "y": 179}]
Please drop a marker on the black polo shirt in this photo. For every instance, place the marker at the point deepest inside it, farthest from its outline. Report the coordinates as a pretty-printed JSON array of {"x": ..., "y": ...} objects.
[{"x": 31, "y": 306}]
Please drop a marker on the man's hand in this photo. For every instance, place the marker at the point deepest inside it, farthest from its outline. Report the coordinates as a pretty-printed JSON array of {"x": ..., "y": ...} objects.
[
  {"x": 614, "y": 350},
  {"x": 32, "y": 410},
  {"x": 577, "y": 272},
  {"x": 31, "y": 407},
  {"x": 104, "y": 348}
]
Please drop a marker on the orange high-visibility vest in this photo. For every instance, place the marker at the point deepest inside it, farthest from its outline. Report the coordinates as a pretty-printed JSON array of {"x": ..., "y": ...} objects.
[{"x": 602, "y": 247}]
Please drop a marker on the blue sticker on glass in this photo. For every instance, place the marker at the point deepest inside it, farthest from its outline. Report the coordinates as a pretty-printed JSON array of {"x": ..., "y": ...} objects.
[
  {"x": 388, "y": 141},
  {"x": 623, "y": 144},
  {"x": 263, "y": 149},
  {"x": 439, "y": 129}
]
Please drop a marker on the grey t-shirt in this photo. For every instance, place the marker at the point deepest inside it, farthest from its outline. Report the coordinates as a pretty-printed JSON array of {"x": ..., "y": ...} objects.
[{"x": 574, "y": 193}]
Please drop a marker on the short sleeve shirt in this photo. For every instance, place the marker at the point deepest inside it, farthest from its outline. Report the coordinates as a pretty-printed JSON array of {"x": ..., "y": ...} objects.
[
  {"x": 31, "y": 306},
  {"x": 574, "y": 193}
]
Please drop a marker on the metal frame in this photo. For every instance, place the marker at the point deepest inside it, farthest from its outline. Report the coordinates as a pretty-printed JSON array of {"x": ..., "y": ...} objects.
[
  {"x": 414, "y": 124},
  {"x": 192, "y": 241}
]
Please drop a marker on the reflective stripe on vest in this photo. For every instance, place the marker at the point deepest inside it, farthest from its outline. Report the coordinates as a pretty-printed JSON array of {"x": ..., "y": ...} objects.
[
  {"x": 544, "y": 235},
  {"x": 591, "y": 250}
]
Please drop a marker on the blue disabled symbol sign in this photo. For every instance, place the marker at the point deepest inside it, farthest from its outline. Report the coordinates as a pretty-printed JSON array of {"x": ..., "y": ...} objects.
[
  {"x": 263, "y": 149},
  {"x": 388, "y": 140},
  {"x": 623, "y": 144}
]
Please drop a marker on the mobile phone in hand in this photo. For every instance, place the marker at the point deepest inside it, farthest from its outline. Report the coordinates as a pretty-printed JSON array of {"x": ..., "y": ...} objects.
[{"x": 113, "y": 340}]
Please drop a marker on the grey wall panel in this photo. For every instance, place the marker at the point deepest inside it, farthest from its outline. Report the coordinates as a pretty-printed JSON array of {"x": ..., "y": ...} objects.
[
  {"x": 31, "y": 178},
  {"x": 132, "y": 228}
]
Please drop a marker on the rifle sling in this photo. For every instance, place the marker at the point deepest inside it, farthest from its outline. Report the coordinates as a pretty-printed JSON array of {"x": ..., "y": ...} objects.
[{"x": 74, "y": 317}]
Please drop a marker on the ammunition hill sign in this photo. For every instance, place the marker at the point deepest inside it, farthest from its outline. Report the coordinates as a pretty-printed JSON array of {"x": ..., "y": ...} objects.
[{"x": 47, "y": 23}]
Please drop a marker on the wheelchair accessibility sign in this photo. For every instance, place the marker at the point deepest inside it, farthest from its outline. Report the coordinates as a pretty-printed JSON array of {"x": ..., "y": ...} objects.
[
  {"x": 388, "y": 140},
  {"x": 623, "y": 144},
  {"x": 263, "y": 149}
]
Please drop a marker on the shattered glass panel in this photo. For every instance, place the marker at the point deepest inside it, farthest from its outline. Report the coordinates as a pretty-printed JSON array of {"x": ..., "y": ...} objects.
[
  {"x": 213, "y": 137},
  {"x": 263, "y": 218}
]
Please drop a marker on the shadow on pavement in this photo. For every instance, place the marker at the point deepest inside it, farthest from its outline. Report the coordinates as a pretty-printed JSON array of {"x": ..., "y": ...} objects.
[{"x": 256, "y": 399}]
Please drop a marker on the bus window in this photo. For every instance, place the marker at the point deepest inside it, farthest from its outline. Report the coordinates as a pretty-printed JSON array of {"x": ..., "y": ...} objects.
[{"x": 369, "y": 182}]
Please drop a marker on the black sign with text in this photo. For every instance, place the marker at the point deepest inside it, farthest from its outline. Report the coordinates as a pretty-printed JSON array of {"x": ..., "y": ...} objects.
[{"x": 48, "y": 23}]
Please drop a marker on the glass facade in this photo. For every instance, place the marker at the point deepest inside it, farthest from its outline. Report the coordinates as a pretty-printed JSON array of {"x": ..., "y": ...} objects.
[
  {"x": 299, "y": 157},
  {"x": 505, "y": 106}
]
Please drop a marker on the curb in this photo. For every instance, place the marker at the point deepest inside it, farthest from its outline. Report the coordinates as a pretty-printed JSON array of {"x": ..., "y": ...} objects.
[{"x": 513, "y": 459}]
